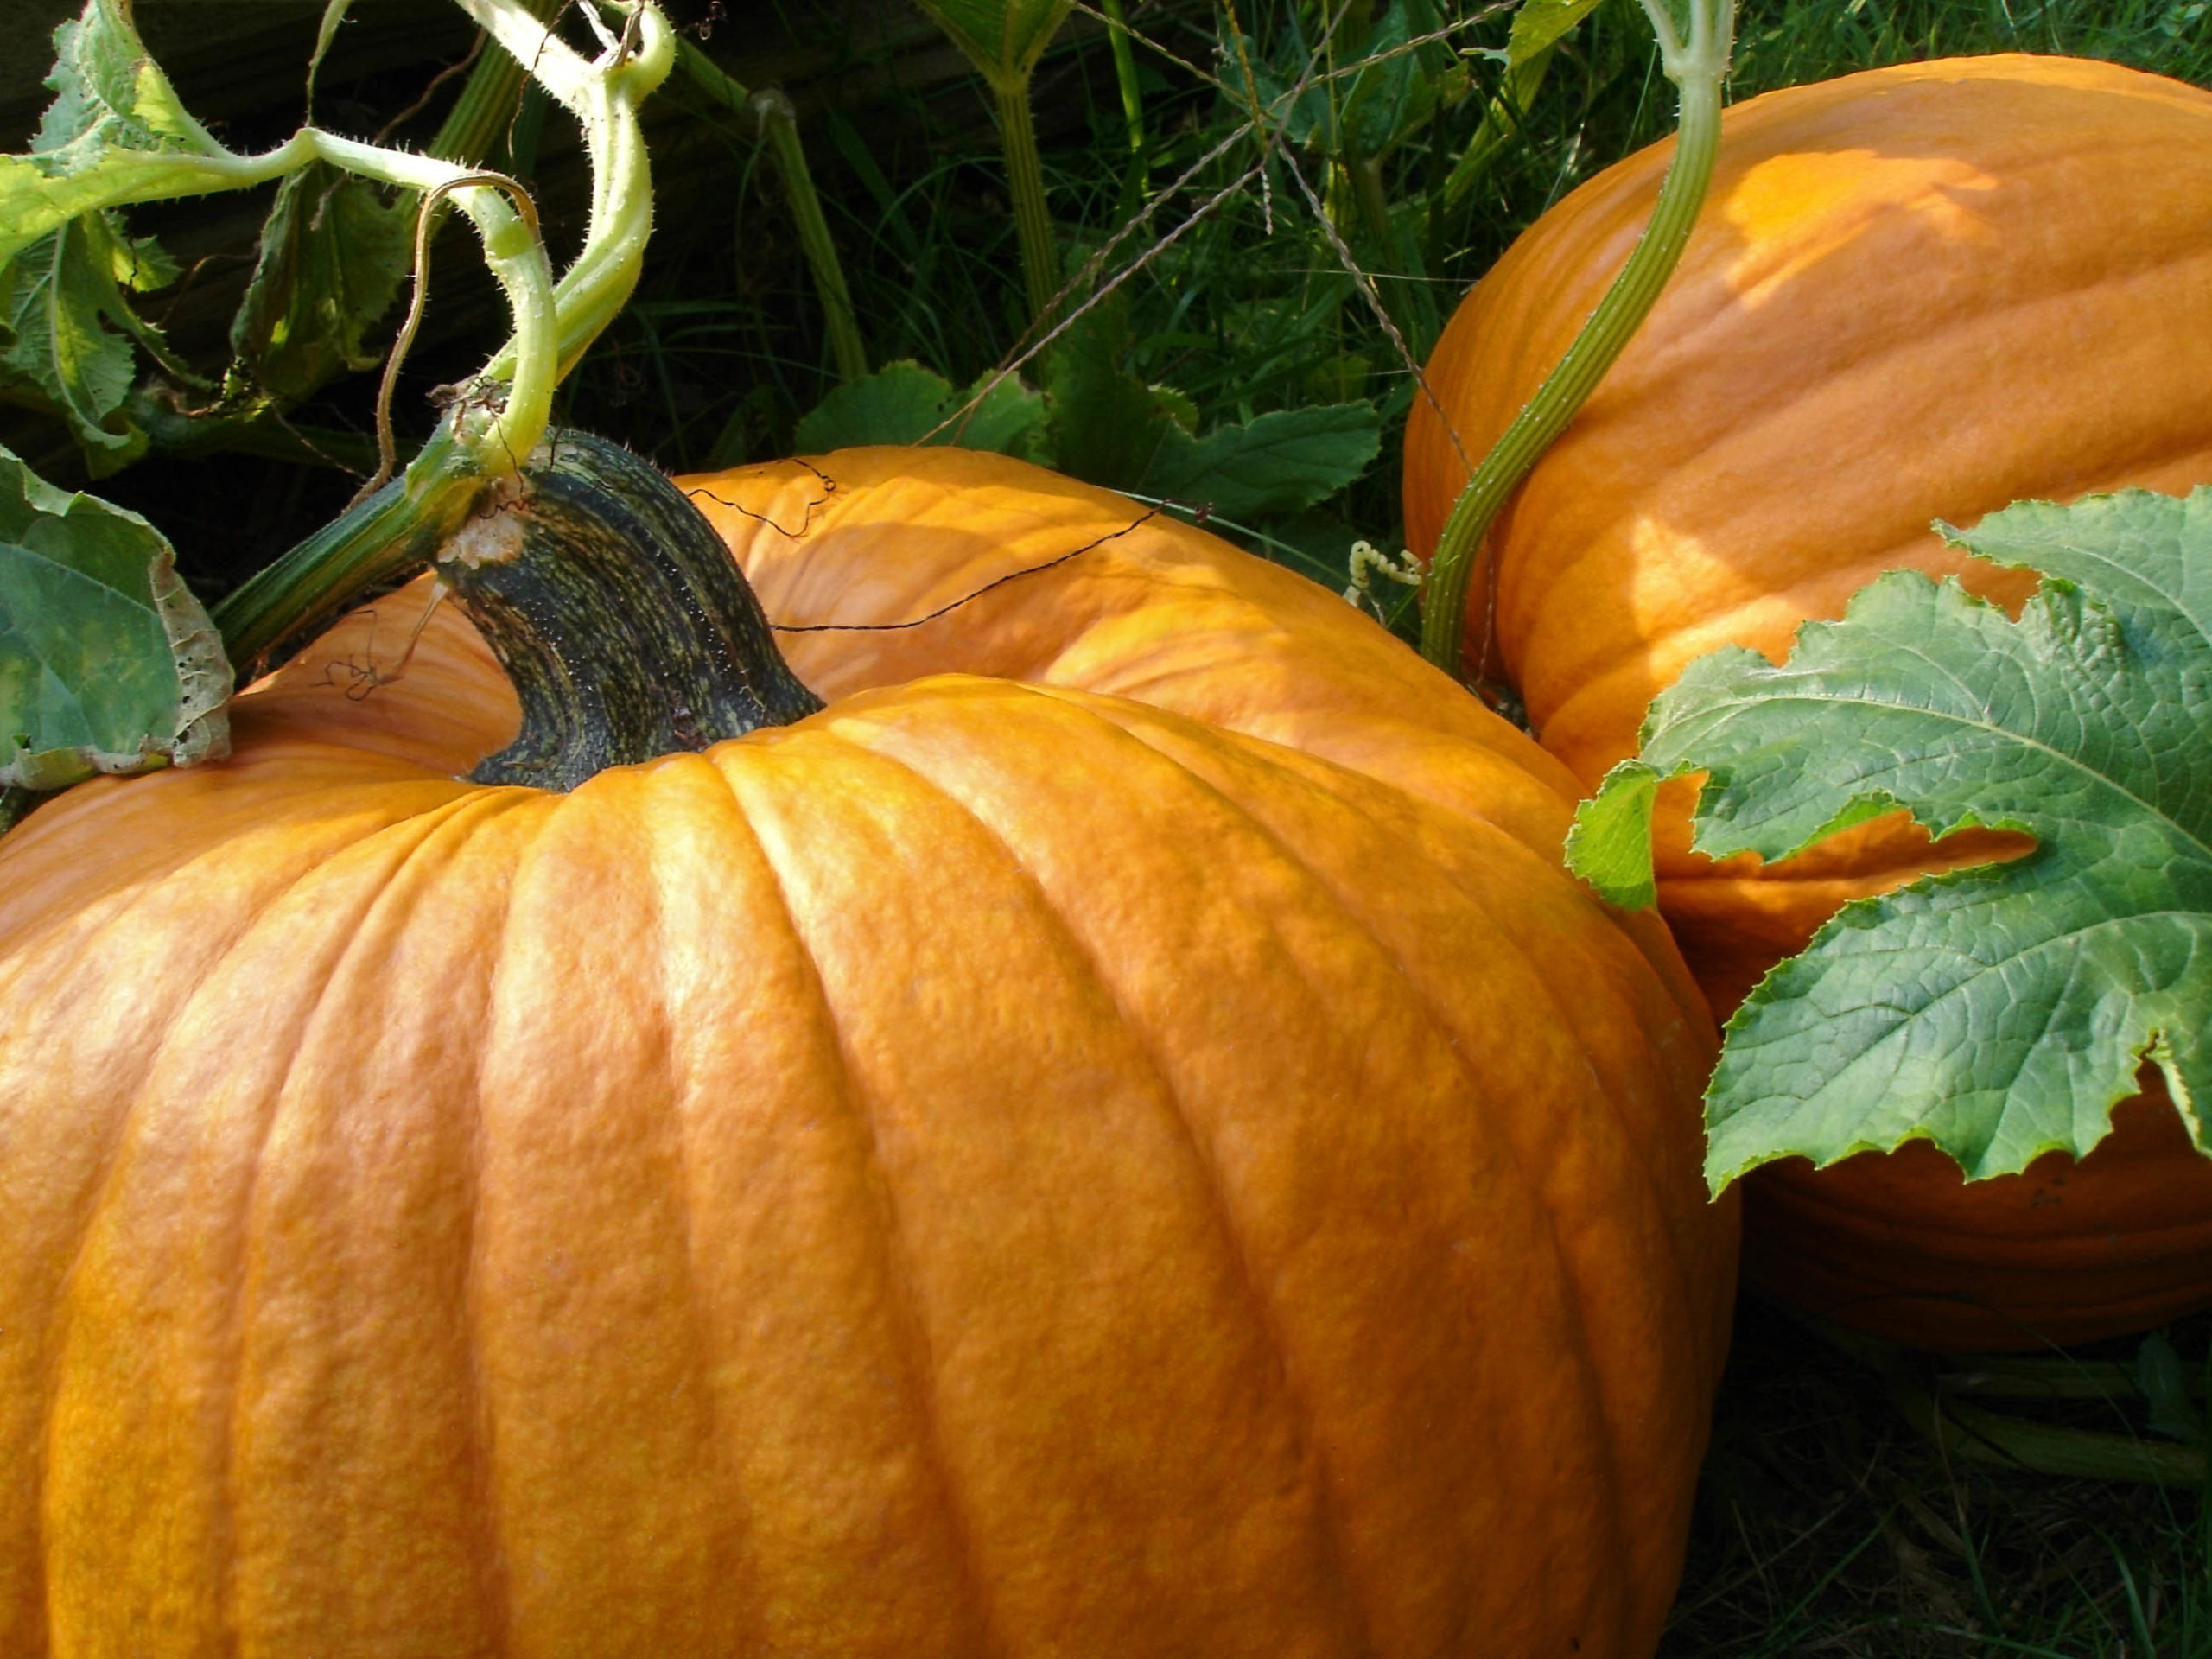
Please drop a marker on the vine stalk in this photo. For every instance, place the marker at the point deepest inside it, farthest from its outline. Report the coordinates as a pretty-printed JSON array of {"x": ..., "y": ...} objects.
[
  {"x": 1033, "y": 224},
  {"x": 493, "y": 427},
  {"x": 779, "y": 126},
  {"x": 1005, "y": 39},
  {"x": 1698, "y": 66}
]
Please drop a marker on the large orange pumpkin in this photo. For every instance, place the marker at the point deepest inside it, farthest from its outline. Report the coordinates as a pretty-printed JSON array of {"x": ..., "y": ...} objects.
[
  {"x": 992, "y": 1167},
  {"x": 1916, "y": 293}
]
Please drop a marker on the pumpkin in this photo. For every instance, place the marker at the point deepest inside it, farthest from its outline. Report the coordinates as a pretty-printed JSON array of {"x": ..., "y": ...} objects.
[
  {"x": 992, "y": 1166},
  {"x": 1912, "y": 295}
]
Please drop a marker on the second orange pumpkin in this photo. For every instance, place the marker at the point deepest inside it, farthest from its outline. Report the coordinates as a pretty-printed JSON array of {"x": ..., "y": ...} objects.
[{"x": 1916, "y": 293}]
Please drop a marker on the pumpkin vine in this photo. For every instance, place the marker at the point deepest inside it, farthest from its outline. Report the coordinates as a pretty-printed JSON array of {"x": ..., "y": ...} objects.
[
  {"x": 1696, "y": 61},
  {"x": 488, "y": 435}
]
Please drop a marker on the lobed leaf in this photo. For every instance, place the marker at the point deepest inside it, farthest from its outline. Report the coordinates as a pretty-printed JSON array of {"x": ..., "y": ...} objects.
[
  {"x": 1002, "y": 38},
  {"x": 1276, "y": 462},
  {"x": 332, "y": 253},
  {"x": 1998, "y": 1011},
  {"x": 1106, "y": 426},
  {"x": 66, "y": 328}
]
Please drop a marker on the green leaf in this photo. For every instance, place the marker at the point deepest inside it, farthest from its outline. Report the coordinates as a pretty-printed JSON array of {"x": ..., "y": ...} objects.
[
  {"x": 1107, "y": 425},
  {"x": 1998, "y": 1011},
  {"x": 67, "y": 328},
  {"x": 1610, "y": 844},
  {"x": 1376, "y": 90},
  {"x": 1001, "y": 415},
  {"x": 106, "y": 87},
  {"x": 2164, "y": 1386},
  {"x": 332, "y": 253},
  {"x": 1538, "y": 28},
  {"x": 107, "y": 663},
  {"x": 904, "y": 403},
  {"x": 1002, "y": 38},
  {"x": 115, "y": 124},
  {"x": 326, "y": 36},
  {"x": 66, "y": 264},
  {"x": 1278, "y": 462},
  {"x": 1540, "y": 25}
]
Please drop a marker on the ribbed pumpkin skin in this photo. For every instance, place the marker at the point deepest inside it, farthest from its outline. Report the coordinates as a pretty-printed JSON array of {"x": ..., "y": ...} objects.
[
  {"x": 987, "y": 1170},
  {"x": 1916, "y": 293},
  {"x": 1151, "y": 609},
  {"x": 2066, "y": 1251}
]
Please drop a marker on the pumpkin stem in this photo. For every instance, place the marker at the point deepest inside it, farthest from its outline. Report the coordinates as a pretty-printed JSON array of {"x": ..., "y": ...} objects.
[
  {"x": 1697, "y": 66},
  {"x": 619, "y": 616}
]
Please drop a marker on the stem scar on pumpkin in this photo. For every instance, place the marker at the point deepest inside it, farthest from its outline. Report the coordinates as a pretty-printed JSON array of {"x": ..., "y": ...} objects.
[
  {"x": 1142, "y": 519},
  {"x": 493, "y": 534}
]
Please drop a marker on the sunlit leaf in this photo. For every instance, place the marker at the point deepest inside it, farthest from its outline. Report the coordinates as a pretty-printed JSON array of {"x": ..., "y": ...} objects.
[
  {"x": 1538, "y": 28},
  {"x": 115, "y": 125},
  {"x": 1998, "y": 1011}
]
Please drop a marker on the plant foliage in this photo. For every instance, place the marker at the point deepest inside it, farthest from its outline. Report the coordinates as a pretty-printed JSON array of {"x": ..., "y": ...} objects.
[
  {"x": 107, "y": 663},
  {"x": 2000, "y": 1011}
]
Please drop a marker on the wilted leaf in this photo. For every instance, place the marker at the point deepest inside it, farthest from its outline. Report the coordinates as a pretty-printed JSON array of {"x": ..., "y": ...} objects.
[
  {"x": 332, "y": 253},
  {"x": 68, "y": 328},
  {"x": 107, "y": 663}
]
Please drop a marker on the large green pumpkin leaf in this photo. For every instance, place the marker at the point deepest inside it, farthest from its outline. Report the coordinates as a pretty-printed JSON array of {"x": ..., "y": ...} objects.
[
  {"x": 107, "y": 663},
  {"x": 1998, "y": 1011}
]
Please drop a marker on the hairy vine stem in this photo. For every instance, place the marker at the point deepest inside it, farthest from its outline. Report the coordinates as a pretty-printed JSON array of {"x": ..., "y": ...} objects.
[
  {"x": 1697, "y": 64},
  {"x": 493, "y": 430}
]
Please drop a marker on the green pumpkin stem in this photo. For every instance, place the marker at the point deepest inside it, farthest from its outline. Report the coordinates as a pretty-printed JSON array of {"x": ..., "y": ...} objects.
[{"x": 619, "y": 616}]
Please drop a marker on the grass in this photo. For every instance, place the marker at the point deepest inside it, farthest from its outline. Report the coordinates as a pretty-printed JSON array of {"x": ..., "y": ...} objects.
[
  {"x": 1249, "y": 307},
  {"x": 1826, "y": 1526}
]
